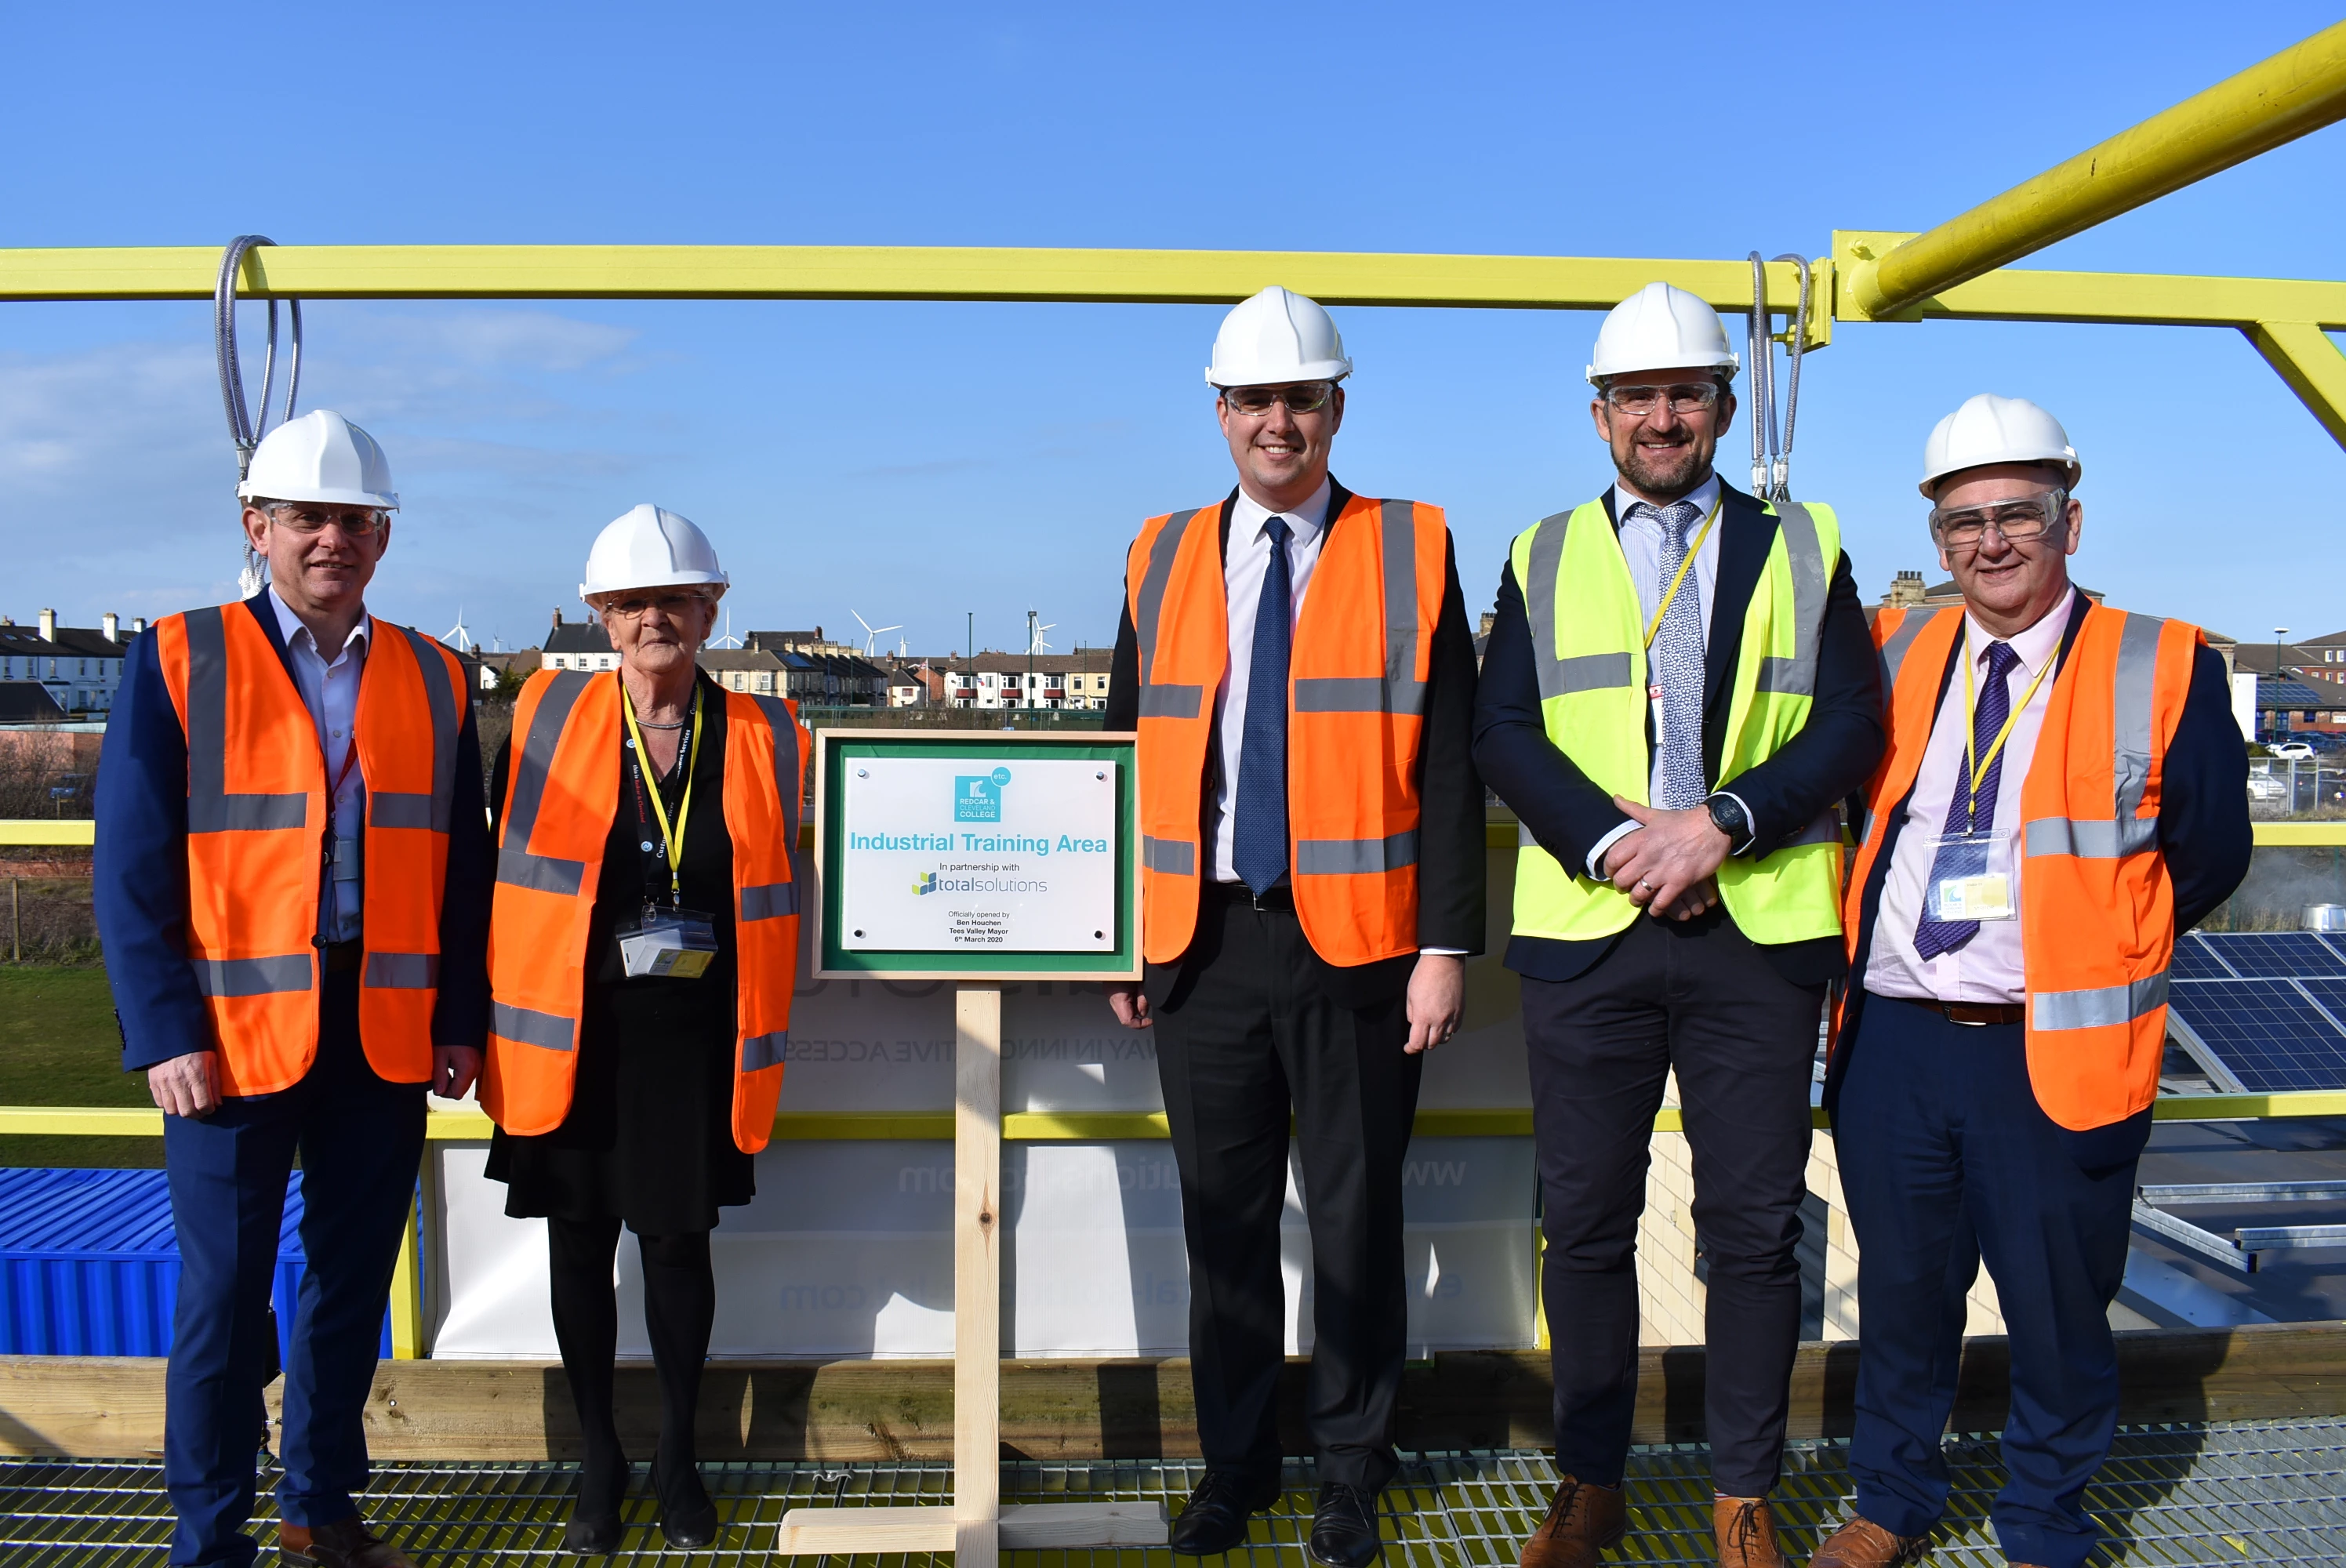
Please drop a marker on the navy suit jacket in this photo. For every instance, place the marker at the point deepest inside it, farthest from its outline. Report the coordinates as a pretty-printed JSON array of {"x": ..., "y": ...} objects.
[
  {"x": 140, "y": 873},
  {"x": 1829, "y": 759},
  {"x": 2203, "y": 833}
]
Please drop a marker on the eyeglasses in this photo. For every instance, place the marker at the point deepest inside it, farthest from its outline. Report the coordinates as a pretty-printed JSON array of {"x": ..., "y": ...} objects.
[
  {"x": 2019, "y": 522},
  {"x": 1639, "y": 402},
  {"x": 1304, "y": 397},
  {"x": 359, "y": 522},
  {"x": 636, "y": 606}
]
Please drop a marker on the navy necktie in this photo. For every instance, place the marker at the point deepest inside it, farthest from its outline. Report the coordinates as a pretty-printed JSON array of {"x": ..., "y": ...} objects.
[
  {"x": 1966, "y": 814},
  {"x": 1259, "y": 838}
]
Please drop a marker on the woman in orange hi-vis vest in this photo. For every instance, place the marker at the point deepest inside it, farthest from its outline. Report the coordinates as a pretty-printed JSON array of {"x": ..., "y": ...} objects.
[
  {"x": 643, "y": 947},
  {"x": 2065, "y": 792}
]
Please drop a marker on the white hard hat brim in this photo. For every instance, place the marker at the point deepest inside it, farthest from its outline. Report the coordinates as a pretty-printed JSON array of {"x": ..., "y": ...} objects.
[
  {"x": 383, "y": 501},
  {"x": 715, "y": 586},
  {"x": 2064, "y": 461},
  {"x": 1599, "y": 374},
  {"x": 1309, "y": 371}
]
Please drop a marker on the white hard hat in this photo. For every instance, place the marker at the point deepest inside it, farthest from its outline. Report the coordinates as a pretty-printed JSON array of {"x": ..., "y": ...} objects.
[
  {"x": 651, "y": 547},
  {"x": 1991, "y": 429},
  {"x": 320, "y": 456},
  {"x": 1660, "y": 328},
  {"x": 1275, "y": 338}
]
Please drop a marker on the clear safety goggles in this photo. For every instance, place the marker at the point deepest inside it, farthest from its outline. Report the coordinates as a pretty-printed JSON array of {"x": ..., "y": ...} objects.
[
  {"x": 2019, "y": 521},
  {"x": 1303, "y": 397}
]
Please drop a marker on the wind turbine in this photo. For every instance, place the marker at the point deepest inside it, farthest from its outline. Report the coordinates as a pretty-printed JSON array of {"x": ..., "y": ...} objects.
[
  {"x": 729, "y": 640},
  {"x": 871, "y": 633},
  {"x": 1035, "y": 643},
  {"x": 456, "y": 637}
]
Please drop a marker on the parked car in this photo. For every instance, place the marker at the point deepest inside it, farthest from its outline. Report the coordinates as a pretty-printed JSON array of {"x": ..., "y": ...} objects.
[
  {"x": 2292, "y": 750},
  {"x": 2265, "y": 787}
]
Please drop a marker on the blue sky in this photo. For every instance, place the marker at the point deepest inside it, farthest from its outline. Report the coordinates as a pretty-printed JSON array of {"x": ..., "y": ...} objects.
[{"x": 917, "y": 461}]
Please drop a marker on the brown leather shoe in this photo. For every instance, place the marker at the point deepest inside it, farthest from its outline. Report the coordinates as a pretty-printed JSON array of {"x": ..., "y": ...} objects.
[
  {"x": 1747, "y": 1533},
  {"x": 1584, "y": 1519},
  {"x": 349, "y": 1544},
  {"x": 1862, "y": 1543}
]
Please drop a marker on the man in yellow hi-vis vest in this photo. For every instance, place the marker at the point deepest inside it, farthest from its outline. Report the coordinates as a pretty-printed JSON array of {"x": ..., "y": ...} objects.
[{"x": 1677, "y": 689}]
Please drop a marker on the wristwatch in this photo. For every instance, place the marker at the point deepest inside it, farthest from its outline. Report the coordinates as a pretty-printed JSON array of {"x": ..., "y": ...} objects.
[{"x": 1728, "y": 815}]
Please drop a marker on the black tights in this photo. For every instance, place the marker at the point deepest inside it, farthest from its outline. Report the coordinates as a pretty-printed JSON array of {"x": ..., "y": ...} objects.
[{"x": 680, "y": 1305}]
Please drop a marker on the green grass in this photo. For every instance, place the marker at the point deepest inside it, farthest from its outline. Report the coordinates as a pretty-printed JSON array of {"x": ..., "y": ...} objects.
[{"x": 59, "y": 1046}]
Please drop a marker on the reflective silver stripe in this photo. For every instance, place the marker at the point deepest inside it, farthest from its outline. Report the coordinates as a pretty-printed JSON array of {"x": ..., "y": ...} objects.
[
  {"x": 210, "y": 808},
  {"x": 1169, "y": 857},
  {"x": 1539, "y": 610},
  {"x": 440, "y": 697},
  {"x": 1797, "y": 676},
  {"x": 527, "y": 1027},
  {"x": 1342, "y": 694},
  {"x": 789, "y": 774},
  {"x": 2100, "y": 1007},
  {"x": 1894, "y": 652},
  {"x": 1398, "y": 689},
  {"x": 770, "y": 900},
  {"x": 1352, "y": 857},
  {"x": 1825, "y": 829},
  {"x": 2089, "y": 840},
  {"x": 516, "y": 867},
  {"x": 403, "y": 970},
  {"x": 2137, "y": 686},
  {"x": 391, "y": 809},
  {"x": 254, "y": 976},
  {"x": 1584, "y": 672},
  {"x": 1161, "y": 553},
  {"x": 1170, "y": 701},
  {"x": 1524, "y": 838},
  {"x": 759, "y": 1052}
]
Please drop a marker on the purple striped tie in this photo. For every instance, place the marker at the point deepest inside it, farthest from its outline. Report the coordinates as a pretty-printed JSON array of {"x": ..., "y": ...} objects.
[{"x": 1960, "y": 859}]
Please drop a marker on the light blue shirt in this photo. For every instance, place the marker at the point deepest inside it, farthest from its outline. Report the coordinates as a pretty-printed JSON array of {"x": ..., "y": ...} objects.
[{"x": 329, "y": 690}]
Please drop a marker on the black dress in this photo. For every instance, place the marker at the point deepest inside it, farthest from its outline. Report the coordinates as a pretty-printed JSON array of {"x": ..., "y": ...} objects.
[{"x": 648, "y": 1138}]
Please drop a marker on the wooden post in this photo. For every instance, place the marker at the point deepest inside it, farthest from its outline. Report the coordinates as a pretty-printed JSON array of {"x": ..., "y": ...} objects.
[
  {"x": 977, "y": 1273},
  {"x": 15, "y": 923}
]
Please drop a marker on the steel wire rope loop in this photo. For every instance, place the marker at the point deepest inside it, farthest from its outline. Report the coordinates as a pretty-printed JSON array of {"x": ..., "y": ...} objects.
[
  {"x": 1796, "y": 344},
  {"x": 1761, "y": 363},
  {"x": 241, "y": 429}
]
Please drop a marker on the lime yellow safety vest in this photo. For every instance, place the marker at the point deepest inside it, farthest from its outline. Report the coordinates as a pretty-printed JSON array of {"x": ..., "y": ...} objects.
[{"x": 1588, "y": 639}]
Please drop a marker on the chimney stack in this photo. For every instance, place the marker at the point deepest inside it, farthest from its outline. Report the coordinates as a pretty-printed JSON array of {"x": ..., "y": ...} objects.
[
  {"x": 112, "y": 623},
  {"x": 137, "y": 625},
  {"x": 48, "y": 625},
  {"x": 558, "y": 615}
]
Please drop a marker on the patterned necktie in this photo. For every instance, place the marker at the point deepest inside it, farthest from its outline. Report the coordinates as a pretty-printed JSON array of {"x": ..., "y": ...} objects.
[
  {"x": 1259, "y": 838},
  {"x": 1963, "y": 858},
  {"x": 1674, "y": 662}
]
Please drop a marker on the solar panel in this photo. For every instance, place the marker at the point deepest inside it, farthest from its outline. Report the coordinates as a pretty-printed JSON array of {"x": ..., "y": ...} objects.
[
  {"x": 2195, "y": 959},
  {"x": 2265, "y": 1031},
  {"x": 2276, "y": 955}
]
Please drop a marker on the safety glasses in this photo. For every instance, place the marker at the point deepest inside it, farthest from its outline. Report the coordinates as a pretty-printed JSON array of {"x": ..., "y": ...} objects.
[
  {"x": 2018, "y": 521},
  {"x": 636, "y": 606},
  {"x": 1639, "y": 402},
  {"x": 1303, "y": 397},
  {"x": 307, "y": 520}
]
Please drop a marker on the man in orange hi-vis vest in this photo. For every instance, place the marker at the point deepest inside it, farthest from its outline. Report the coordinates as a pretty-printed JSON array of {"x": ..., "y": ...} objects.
[
  {"x": 291, "y": 882},
  {"x": 2064, "y": 791},
  {"x": 1297, "y": 662}
]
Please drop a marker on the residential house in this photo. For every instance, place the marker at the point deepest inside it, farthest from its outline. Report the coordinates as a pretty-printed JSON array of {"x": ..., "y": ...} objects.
[
  {"x": 1073, "y": 680},
  {"x": 578, "y": 645},
  {"x": 753, "y": 670},
  {"x": 80, "y": 666}
]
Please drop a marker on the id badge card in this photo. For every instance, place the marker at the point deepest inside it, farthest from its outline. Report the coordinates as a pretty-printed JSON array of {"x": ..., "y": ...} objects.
[
  {"x": 675, "y": 944},
  {"x": 1971, "y": 877}
]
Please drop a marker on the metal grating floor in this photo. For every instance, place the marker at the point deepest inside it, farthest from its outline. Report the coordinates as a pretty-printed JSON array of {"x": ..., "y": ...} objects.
[{"x": 2249, "y": 1493}]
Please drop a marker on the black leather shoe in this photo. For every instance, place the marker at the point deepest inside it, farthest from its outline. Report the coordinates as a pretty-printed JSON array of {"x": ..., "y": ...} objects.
[
  {"x": 1214, "y": 1519},
  {"x": 594, "y": 1528},
  {"x": 688, "y": 1518},
  {"x": 1344, "y": 1526}
]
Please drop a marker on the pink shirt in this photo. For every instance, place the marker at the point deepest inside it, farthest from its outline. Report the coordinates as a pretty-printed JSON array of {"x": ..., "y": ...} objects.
[{"x": 1988, "y": 967}]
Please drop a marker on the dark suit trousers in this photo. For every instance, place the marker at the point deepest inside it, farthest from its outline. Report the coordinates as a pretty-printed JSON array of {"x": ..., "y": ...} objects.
[
  {"x": 1946, "y": 1157},
  {"x": 1701, "y": 999},
  {"x": 1249, "y": 1034},
  {"x": 360, "y": 1141}
]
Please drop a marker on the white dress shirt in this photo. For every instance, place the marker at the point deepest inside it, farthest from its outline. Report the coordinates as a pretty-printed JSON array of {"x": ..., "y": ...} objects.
[
  {"x": 1641, "y": 546},
  {"x": 329, "y": 690},
  {"x": 1245, "y": 562},
  {"x": 1987, "y": 969}
]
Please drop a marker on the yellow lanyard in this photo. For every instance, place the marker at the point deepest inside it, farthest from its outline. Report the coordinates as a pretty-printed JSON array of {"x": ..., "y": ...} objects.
[
  {"x": 1684, "y": 566},
  {"x": 1977, "y": 772},
  {"x": 673, "y": 839}
]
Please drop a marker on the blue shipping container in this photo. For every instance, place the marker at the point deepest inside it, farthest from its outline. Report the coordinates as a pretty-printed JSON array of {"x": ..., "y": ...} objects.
[{"x": 88, "y": 1266}]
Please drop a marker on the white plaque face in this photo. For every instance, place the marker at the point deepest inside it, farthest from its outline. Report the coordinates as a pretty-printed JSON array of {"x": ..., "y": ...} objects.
[{"x": 969, "y": 855}]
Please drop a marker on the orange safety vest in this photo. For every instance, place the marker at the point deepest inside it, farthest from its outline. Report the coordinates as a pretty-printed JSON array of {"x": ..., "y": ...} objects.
[
  {"x": 256, "y": 823},
  {"x": 562, "y": 795},
  {"x": 1356, "y": 721},
  {"x": 2096, "y": 904}
]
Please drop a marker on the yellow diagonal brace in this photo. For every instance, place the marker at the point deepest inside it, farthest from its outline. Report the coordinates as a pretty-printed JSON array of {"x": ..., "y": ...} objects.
[
  {"x": 2301, "y": 89},
  {"x": 882, "y": 272},
  {"x": 2311, "y": 364}
]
